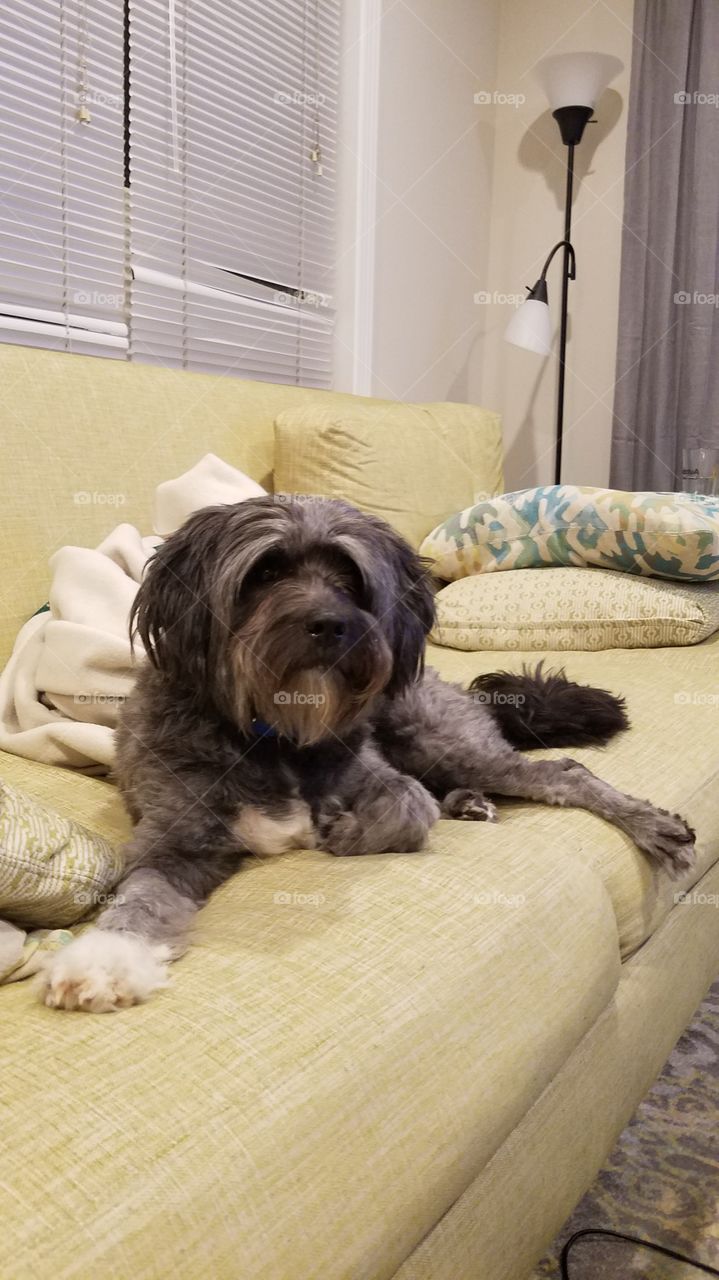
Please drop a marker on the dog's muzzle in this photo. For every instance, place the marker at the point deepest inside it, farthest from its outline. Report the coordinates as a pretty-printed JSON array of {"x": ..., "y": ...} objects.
[{"x": 329, "y": 632}]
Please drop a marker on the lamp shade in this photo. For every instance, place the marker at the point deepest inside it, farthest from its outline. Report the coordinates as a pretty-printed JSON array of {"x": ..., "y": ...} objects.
[
  {"x": 531, "y": 327},
  {"x": 576, "y": 79}
]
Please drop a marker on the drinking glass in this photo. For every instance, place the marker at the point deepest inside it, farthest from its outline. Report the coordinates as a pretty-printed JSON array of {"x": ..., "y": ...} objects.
[{"x": 700, "y": 470}]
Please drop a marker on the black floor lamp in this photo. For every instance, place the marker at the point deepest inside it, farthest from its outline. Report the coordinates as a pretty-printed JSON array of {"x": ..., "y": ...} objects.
[{"x": 572, "y": 82}]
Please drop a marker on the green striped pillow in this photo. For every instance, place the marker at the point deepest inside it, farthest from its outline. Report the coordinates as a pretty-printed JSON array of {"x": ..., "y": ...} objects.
[{"x": 53, "y": 871}]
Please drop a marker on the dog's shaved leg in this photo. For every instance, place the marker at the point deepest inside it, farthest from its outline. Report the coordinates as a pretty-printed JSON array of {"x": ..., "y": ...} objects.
[
  {"x": 664, "y": 837},
  {"x": 437, "y": 734},
  {"x": 122, "y": 960},
  {"x": 379, "y": 810}
]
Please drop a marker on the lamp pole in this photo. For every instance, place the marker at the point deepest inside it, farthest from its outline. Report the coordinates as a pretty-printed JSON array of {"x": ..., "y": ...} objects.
[
  {"x": 572, "y": 122},
  {"x": 572, "y": 82},
  {"x": 566, "y": 277}
]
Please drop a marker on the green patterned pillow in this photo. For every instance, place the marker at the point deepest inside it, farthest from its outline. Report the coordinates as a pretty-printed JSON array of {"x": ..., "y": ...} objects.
[
  {"x": 52, "y": 870},
  {"x": 663, "y": 535},
  {"x": 558, "y": 609}
]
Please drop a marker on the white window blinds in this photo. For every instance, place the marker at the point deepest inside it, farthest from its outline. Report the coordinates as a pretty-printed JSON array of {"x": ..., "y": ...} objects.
[
  {"x": 232, "y": 156},
  {"x": 62, "y": 251}
]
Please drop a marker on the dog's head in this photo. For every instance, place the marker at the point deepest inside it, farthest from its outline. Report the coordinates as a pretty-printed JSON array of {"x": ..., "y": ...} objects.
[{"x": 296, "y": 613}]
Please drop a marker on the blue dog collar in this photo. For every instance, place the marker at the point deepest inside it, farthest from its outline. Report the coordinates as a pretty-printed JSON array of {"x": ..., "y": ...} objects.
[{"x": 261, "y": 729}]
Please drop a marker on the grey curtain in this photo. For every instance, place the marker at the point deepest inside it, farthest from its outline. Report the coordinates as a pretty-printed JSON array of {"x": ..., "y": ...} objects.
[{"x": 667, "y": 389}]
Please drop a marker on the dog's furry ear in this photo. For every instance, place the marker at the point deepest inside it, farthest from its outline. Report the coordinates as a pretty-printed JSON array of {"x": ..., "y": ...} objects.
[
  {"x": 413, "y": 616},
  {"x": 171, "y": 613}
]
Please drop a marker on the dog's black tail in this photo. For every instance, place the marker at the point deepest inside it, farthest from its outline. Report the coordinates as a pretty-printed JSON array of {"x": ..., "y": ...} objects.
[{"x": 537, "y": 710}]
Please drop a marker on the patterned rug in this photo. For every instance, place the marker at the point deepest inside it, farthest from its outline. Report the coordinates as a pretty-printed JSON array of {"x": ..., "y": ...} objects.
[{"x": 661, "y": 1181}]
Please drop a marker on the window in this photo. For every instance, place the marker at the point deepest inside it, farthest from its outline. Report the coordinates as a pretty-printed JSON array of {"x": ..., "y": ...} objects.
[
  {"x": 61, "y": 180},
  {"x": 218, "y": 254}
]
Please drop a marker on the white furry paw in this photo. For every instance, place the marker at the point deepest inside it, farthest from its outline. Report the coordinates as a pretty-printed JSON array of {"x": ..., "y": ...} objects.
[{"x": 102, "y": 971}]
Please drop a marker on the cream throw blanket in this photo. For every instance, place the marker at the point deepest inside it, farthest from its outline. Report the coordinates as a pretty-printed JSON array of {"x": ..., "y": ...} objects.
[{"x": 71, "y": 666}]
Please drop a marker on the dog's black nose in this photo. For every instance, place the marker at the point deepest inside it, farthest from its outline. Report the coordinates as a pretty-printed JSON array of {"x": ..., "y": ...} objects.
[{"x": 326, "y": 627}]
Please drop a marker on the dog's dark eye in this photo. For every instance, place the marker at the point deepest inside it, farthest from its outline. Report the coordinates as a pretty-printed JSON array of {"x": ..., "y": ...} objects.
[
  {"x": 268, "y": 569},
  {"x": 351, "y": 576}
]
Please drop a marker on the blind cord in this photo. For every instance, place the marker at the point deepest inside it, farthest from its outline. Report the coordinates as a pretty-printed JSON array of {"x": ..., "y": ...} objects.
[{"x": 172, "y": 43}]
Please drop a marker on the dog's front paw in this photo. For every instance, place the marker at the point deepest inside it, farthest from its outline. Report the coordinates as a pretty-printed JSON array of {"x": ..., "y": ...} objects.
[
  {"x": 342, "y": 835},
  {"x": 667, "y": 840},
  {"x": 102, "y": 971},
  {"x": 396, "y": 821},
  {"x": 468, "y": 806}
]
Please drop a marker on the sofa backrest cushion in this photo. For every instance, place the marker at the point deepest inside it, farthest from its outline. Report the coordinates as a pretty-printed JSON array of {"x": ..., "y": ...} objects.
[
  {"x": 407, "y": 463},
  {"x": 85, "y": 441}
]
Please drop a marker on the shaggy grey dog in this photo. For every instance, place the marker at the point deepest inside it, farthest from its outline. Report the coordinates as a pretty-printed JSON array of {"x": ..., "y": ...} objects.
[{"x": 284, "y": 705}]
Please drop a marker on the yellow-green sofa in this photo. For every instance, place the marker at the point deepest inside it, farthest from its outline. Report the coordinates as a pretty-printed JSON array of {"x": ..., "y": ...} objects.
[{"x": 400, "y": 1066}]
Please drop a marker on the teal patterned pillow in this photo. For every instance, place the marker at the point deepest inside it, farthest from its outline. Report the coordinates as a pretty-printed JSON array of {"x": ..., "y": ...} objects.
[{"x": 661, "y": 535}]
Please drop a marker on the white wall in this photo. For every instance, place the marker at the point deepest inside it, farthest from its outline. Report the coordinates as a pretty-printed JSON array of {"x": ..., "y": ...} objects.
[
  {"x": 358, "y": 144},
  {"x": 433, "y": 177},
  {"x": 435, "y": 164},
  {"x": 469, "y": 199},
  {"x": 528, "y": 218}
]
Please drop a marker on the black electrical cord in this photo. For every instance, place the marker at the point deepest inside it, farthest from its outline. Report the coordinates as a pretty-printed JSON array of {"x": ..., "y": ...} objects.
[{"x": 617, "y": 1235}]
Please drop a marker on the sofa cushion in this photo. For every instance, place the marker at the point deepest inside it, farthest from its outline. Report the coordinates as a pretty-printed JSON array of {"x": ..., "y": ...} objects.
[
  {"x": 93, "y": 802},
  {"x": 667, "y": 535},
  {"x": 411, "y": 464},
  {"x": 669, "y": 756},
  {"x": 573, "y": 609},
  {"x": 85, "y": 442},
  {"x": 346, "y": 1033},
  {"x": 574, "y": 1125},
  {"x": 52, "y": 870}
]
